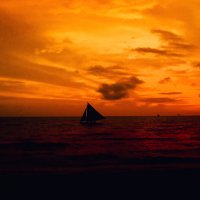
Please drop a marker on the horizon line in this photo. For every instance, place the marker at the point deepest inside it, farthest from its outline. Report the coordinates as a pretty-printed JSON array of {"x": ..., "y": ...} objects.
[{"x": 57, "y": 116}]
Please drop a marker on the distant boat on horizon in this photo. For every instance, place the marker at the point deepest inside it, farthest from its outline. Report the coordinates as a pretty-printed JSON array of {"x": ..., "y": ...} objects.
[{"x": 90, "y": 115}]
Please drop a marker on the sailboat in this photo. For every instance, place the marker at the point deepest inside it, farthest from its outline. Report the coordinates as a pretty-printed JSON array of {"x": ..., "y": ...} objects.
[{"x": 90, "y": 115}]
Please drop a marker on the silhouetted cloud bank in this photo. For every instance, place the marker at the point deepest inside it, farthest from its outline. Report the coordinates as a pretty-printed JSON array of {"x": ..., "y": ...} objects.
[{"x": 119, "y": 90}]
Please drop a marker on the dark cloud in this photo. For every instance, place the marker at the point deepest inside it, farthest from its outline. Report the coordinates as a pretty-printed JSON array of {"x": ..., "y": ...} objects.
[
  {"x": 170, "y": 93},
  {"x": 119, "y": 90},
  {"x": 165, "y": 80},
  {"x": 159, "y": 100}
]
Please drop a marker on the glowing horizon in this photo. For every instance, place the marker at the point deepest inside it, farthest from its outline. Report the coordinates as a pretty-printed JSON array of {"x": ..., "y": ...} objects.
[{"x": 124, "y": 57}]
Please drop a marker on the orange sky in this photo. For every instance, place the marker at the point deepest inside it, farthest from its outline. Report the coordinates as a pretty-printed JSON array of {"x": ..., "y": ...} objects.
[{"x": 138, "y": 57}]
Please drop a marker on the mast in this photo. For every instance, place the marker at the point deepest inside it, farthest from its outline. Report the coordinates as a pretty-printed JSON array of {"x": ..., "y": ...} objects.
[{"x": 86, "y": 113}]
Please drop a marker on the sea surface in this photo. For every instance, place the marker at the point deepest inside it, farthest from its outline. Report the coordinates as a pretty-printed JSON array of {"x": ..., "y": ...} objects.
[{"x": 62, "y": 145}]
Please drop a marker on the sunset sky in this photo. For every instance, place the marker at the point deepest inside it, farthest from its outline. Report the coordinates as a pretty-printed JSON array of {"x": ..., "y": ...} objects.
[{"x": 125, "y": 57}]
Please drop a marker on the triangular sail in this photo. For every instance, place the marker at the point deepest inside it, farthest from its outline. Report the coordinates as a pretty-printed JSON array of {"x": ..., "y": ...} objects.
[{"x": 91, "y": 115}]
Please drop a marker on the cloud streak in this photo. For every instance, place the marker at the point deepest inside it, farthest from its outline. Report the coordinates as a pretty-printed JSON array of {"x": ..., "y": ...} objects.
[
  {"x": 171, "y": 93},
  {"x": 159, "y": 100},
  {"x": 161, "y": 52},
  {"x": 110, "y": 71}
]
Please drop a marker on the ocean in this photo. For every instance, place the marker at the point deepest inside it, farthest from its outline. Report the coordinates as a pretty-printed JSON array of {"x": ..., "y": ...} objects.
[{"x": 61, "y": 145}]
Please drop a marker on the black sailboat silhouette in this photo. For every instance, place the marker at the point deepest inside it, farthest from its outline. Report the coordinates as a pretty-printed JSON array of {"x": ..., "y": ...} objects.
[{"x": 90, "y": 115}]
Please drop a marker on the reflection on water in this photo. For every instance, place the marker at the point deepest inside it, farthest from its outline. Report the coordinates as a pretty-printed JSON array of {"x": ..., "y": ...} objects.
[{"x": 62, "y": 144}]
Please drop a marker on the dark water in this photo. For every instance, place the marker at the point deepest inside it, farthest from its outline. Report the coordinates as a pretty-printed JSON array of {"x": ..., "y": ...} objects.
[{"x": 62, "y": 145}]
